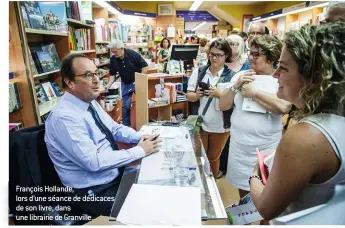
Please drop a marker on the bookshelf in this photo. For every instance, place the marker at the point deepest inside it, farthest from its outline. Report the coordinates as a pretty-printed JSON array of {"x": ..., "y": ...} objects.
[
  {"x": 102, "y": 42},
  {"x": 47, "y": 106},
  {"x": 103, "y": 64},
  {"x": 44, "y": 74},
  {"x": 61, "y": 41},
  {"x": 26, "y": 114},
  {"x": 45, "y": 32},
  {"x": 102, "y": 52},
  {"x": 78, "y": 24},
  {"x": 84, "y": 51},
  {"x": 144, "y": 90}
]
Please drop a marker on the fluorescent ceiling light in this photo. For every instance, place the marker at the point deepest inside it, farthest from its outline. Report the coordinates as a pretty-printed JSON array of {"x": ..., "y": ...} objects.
[
  {"x": 199, "y": 25},
  {"x": 292, "y": 12},
  {"x": 107, "y": 6},
  {"x": 195, "y": 5}
]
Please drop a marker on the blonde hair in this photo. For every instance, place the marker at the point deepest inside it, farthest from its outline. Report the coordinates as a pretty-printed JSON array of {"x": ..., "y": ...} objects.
[
  {"x": 319, "y": 53},
  {"x": 240, "y": 56}
]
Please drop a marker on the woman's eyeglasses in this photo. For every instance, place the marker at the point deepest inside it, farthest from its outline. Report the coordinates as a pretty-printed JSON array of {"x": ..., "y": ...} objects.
[
  {"x": 255, "y": 54},
  {"x": 217, "y": 55},
  {"x": 89, "y": 75}
]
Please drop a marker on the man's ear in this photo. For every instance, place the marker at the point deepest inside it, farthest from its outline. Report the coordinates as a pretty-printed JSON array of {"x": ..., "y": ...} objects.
[{"x": 70, "y": 84}]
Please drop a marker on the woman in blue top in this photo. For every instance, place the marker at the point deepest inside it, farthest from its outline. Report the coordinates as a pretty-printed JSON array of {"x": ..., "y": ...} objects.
[{"x": 239, "y": 62}]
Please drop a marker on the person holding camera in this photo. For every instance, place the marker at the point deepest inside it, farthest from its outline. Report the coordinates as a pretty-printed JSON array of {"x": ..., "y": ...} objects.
[{"x": 204, "y": 90}]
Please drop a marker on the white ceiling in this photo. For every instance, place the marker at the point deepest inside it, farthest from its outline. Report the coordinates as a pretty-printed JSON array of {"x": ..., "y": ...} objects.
[{"x": 208, "y": 26}]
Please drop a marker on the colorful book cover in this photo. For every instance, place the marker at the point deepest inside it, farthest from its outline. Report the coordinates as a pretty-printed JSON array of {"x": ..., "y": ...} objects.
[
  {"x": 25, "y": 17},
  {"x": 40, "y": 94},
  {"x": 49, "y": 91},
  {"x": 58, "y": 91},
  {"x": 35, "y": 16},
  {"x": 52, "y": 51},
  {"x": 46, "y": 61},
  {"x": 54, "y": 14}
]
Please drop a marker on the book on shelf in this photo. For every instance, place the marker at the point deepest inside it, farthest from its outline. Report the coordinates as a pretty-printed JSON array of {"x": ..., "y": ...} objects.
[
  {"x": 57, "y": 89},
  {"x": 40, "y": 94},
  {"x": 46, "y": 61},
  {"x": 32, "y": 64},
  {"x": 14, "y": 101},
  {"x": 25, "y": 17},
  {"x": 72, "y": 9},
  {"x": 86, "y": 10},
  {"x": 44, "y": 57},
  {"x": 79, "y": 39},
  {"x": 49, "y": 91},
  {"x": 101, "y": 30},
  {"x": 35, "y": 15},
  {"x": 54, "y": 14}
]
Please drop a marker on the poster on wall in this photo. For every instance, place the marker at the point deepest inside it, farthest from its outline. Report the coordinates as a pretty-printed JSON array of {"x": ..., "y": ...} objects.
[{"x": 246, "y": 19}]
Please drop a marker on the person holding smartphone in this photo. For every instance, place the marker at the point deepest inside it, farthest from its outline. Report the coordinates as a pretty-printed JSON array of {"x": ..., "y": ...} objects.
[{"x": 202, "y": 89}]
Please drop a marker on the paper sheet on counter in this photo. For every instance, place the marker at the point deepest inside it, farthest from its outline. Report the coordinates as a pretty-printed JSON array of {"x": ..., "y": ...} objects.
[{"x": 154, "y": 205}]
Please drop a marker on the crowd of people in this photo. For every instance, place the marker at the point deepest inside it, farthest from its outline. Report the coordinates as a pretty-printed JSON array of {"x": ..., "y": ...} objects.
[{"x": 309, "y": 158}]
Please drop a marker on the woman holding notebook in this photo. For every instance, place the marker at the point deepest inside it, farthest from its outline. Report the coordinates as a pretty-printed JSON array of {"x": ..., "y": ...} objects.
[{"x": 253, "y": 128}]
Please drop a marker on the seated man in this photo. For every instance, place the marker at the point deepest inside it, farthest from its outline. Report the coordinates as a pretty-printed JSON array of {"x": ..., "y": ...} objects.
[{"x": 80, "y": 138}]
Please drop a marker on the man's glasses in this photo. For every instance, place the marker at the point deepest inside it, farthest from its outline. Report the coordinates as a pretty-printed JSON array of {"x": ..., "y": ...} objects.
[
  {"x": 217, "y": 55},
  {"x": 255, "y": 33},
  {"x": 255, "y": 54},
  {"x": 89, "y": 75}
]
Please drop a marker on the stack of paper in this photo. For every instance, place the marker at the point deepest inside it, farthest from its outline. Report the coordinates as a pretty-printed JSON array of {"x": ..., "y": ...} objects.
[{"x": 161, "y": 205}]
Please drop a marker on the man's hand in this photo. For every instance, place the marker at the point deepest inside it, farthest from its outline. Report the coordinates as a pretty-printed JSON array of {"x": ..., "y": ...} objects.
[{"x": 149, "y": 146}]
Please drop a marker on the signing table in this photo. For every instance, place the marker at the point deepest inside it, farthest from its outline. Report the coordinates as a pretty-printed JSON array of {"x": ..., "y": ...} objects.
[{"x": 155, "y": 170}]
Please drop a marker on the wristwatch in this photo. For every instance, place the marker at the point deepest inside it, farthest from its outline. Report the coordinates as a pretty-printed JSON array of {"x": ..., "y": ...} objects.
[
  {"x": 234, "y": 89},
  {"x": 254, "y": 176}
]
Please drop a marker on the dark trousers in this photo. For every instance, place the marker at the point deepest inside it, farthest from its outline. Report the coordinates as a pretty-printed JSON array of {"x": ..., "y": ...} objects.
[
  {"x": 223, "y": 166},
  {"x": 96, "y": 208},
  {"x": 126, "y": 109}
]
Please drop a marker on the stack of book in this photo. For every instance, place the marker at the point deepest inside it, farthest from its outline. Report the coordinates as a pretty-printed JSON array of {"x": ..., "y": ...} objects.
[
  {"x": 181, "y": 98},
  {"x": 158, "y": 101},
  {"x": 44, "y": 15},
  {"x": 47, "y": 91},
  {"x": 44, "y": 58},
  {"x": 79, "y": 39},
  {"x": 14, "y": 102}
]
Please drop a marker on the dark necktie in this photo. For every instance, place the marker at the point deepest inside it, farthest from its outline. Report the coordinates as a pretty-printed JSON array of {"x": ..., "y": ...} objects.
[{"x": 102, "y": 127}]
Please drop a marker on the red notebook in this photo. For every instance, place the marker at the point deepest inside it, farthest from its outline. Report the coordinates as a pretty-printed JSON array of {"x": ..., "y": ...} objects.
[{"x": 263, "y": 170}]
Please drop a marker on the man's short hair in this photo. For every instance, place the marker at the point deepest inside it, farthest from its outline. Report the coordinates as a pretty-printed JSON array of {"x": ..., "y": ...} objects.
[
  {"x": 66, "y": 70},
  {"x": 259, "y": 23},
  {"x": 193, "y": 37},
  {"x": 243, "y": 34},
  {"x": 117, "y": 44}
]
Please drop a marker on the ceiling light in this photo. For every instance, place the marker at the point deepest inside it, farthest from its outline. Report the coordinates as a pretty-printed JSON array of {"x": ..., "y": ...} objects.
[
  {"x": 195, "y": 5},
  {"x": 199, "y": 25},
  {"x": 107, "y": 6}
]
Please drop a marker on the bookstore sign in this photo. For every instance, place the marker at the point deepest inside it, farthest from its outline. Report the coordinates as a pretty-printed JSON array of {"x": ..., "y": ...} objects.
[{"x": 195, "y": 15}]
